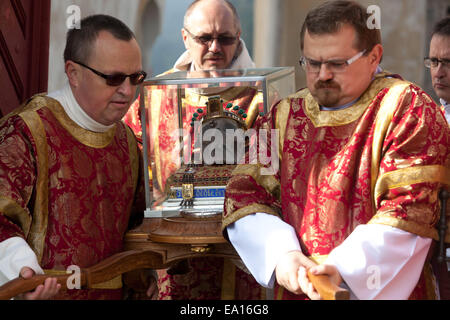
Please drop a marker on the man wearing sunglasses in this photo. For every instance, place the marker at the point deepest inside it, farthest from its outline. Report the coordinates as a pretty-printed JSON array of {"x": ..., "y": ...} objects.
[
  {"x": 363, "y": 155},
  {"x": 211, "y": 35},
  {"x": 69, "y": 168},
  {"x": 439, "y": 63}
]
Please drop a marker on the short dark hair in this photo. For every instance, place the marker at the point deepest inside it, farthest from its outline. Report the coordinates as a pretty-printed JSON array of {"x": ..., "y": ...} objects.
[
  {"x": 442, "y": 27},
  {"x": 226, "y": 2},
  {"x": 330, "y": 16},
  {"x": 79, "y": 41}
]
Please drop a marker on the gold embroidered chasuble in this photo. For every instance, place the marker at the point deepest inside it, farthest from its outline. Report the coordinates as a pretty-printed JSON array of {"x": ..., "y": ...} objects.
[
  {"x": 382, "y": 160},
  {"x": 68, "y": 191}
]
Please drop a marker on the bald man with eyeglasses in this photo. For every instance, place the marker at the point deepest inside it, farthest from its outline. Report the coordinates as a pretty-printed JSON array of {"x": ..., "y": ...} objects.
[{"x": 69, "y": 168}]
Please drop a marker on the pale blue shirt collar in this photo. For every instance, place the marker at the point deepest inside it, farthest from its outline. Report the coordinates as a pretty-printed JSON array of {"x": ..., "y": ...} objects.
[
  {"x": 340, "y": 107},
  {"x": 446, "y": 109}
]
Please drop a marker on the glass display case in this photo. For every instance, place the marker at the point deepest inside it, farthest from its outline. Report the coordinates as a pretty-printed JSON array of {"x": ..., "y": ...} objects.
[{"x": 191, "y": 123}]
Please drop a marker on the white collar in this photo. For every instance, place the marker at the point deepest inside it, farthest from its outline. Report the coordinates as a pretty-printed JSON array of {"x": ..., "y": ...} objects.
[{"x": 66, "y": 98}]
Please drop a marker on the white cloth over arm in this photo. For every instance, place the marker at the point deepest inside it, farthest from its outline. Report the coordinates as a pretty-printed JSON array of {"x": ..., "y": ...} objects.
[
  {"x": 261, "y": 239},
  {"x": 380, "y": 262},
  {"x": 15, "y": 254}
]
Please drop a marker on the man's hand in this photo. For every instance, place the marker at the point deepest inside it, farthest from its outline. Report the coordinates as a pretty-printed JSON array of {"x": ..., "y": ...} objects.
[
  {"x": 323, "y": 269},
  {"x": 43, "y": 291},
  {"x": 287, "y": 270},
  {"x": 291, "y": 273}
]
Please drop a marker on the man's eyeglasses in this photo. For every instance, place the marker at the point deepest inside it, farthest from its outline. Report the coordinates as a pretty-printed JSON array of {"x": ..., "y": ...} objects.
[
  {"x": 117, "y": 79},
  {"x": 207, "y": 39},
  {"x": 335, "y": 66},
  {"x": 434, "y": 62}
]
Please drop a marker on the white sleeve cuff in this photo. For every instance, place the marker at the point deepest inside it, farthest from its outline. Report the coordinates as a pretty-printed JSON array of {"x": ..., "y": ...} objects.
[
  {"x": 15, "y": 254},
  {"x": 380, "y": 261},
  {"x": 261, "y": 240}
]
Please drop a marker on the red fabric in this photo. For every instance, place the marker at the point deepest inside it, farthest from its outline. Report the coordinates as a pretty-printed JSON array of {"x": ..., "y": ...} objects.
[
  {"x": 90, "y": 194},
  {"x": 325, "y": 172}
]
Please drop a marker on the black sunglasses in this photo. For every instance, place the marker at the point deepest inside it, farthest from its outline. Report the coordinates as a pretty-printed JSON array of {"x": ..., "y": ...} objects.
[
  {"x": 118, "y": 78},
  {"x": 207, "y": 39}
]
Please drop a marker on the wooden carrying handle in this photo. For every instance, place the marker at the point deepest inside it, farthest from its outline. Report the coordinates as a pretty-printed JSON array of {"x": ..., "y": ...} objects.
[
  {"x": 20, "y": 285},
  {"x": 327, "y": 289},
  {"x": 105, "y": 270}
]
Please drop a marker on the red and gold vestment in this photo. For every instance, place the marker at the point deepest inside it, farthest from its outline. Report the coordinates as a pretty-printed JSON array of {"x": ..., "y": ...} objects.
[
  {"x": 68, "y": 191},
  {"x": 382, "y": 160}
]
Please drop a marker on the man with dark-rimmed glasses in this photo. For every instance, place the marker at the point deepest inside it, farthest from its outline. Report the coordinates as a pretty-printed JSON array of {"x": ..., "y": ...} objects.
[
  {"x": 363, "y": 155},
  {"x": 69, "y": 168},
  {"x": 438, "y": 62}
]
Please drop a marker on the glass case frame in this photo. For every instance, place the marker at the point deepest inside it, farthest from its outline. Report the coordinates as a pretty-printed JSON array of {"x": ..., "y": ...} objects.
[{"x": 273, "y": 83}]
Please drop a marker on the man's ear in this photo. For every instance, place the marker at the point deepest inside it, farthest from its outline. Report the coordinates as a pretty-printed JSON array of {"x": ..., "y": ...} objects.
[
  {"x": 185, "y": 35},
  {"x": 375, "y": 55},
  {"x": 73, "y": 73}
]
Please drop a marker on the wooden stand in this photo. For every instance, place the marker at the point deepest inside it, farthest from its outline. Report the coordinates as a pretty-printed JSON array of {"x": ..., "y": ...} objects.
[
  {"x": 158, "y": 243},
  {"x": 180, "y": 238}
]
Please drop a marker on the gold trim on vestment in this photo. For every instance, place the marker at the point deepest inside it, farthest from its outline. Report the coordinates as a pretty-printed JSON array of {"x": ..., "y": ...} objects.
[
  {"x": 228, "y": 280},
  {"x": 281, "y": 119},
  {"x": 251, "y": 209},
  {"x": 89, "y": 138},
  {"x": 411, "y": 175},
  {"x": 405, "y": 225},
  {"x": 347, "y": 115},
  {"x": 384, "y": 117},
  {"x": 268, "y": 182},
  {"x": 38, "y": 229},
  {"x": 16, "y": 213},
  {"x": 114, "y": 283}
]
